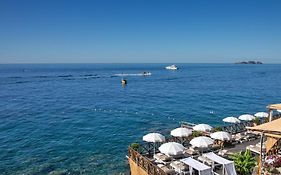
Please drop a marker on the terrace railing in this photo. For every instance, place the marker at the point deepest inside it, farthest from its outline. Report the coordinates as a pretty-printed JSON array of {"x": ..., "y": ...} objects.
[
  {"x": 236, "y": 128},
  {"x": 148, "y": 166}
]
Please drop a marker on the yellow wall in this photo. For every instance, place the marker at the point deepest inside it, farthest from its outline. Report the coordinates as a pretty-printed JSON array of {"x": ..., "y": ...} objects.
[{"x": 135, "y": 169}]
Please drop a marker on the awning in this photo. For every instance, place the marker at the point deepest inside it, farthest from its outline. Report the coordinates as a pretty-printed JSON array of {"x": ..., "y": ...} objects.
[
  {"x": 274, "y": 106},
  {"x": 272, "y": 130},
  {"x": 274, "y": 135},
  {"x": 202, "y": 168},
  {"x": 269, "y": 127},
  {"x": 270, "y": 142},
  {"x": 227, "y": 164}
]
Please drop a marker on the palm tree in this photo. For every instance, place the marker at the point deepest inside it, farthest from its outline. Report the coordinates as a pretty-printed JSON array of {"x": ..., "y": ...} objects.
[{"x": 244, "y": 162}]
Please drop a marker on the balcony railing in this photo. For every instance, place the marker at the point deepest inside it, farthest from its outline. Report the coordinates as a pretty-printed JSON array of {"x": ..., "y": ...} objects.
[{"x": 144, "y": 163}]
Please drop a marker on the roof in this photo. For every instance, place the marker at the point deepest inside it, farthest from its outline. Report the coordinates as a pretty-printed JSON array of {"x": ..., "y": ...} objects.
[
  {"x": 274, "y": 106},
  {"x": 270, "y": 127}
]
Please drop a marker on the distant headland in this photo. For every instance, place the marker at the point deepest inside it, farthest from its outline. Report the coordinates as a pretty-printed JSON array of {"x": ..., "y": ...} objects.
[{"x": 249, "y": 62}]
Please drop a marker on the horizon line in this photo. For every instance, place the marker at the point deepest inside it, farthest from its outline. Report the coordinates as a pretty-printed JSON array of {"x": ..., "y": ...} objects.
[{"x": 134, "y": 63}]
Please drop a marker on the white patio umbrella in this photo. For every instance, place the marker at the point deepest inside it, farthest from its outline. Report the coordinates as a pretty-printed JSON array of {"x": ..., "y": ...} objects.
[
  {"x": 201, "y": 142},
  {"x": 231, "y": 120},
  {"x": 171, "y": 148},
  {"x": 221, "y": 135},
  {"x": 246, "y": 117},
  {"x": 154, "y": 137},
  {"x": 202, "y": 127},
  {"x": 261, "y": 114},
  {"x": 181, "y": 132}
]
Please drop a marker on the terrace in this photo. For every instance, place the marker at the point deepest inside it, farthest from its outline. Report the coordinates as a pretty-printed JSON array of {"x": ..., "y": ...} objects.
[{"x": 147, "y": 158}]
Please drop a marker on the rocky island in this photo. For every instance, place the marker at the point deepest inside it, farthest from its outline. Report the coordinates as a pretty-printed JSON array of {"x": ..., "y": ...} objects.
[{"x": 249, "y": 62}]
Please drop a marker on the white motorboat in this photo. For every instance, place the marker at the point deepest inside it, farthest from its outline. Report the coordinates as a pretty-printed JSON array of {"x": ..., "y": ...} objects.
[{"x": 172, "y": 67}]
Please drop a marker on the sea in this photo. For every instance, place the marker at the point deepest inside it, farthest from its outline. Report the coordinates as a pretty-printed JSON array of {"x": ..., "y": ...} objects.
[{"x": 79, "y": 119}]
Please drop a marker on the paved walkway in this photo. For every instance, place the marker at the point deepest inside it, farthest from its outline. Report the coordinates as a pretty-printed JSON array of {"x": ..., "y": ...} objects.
[{"x": 242, "y": 146}]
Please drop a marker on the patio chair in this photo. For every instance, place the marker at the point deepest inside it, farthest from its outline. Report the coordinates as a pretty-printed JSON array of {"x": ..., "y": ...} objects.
[
  {"x": 239, "y": 137},
  {"x": 191, "y": 151},
  {"x": 178, "y": 166},
  {"x": 215, "y": 147},
  {"x": 162, "y": 158},
  {"x": 179, "y": 156},
  {"x": 166, "y": 169},
  {"x": 223, "y": 153}
]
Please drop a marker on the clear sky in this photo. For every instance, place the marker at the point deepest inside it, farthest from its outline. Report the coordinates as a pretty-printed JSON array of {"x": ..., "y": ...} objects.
[{"x": 139, "y": 31}]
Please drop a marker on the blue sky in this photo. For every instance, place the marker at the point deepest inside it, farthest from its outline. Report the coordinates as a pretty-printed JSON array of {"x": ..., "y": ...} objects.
[{"x": 139, "y": 31}]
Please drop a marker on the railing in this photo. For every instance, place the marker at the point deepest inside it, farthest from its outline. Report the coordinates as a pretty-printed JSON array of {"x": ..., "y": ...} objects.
[
  {"x": 147, "y": 148},
  {"x": 144, "y": 163},
  {"x": 236, "y": 128}
]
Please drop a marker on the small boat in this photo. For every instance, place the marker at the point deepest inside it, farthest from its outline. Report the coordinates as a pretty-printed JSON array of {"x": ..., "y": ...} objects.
[
  {"x": 172, "y": 67},
  {"x": 146, "y": 73}
]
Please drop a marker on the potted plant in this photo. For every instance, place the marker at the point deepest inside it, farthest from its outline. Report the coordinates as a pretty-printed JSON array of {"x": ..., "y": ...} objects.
[
  {"x": 135, "y": 146},
  {"x": 244, "y": 162}
]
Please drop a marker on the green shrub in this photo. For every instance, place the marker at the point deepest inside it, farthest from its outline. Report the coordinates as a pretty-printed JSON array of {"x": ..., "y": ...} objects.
[
  {"x": 257, "y": 121},
  {"x": 135, "y": 146},
  {"x": 244, "y": 162},
  {"x": 217, "y": 129},
  {"x": 196, "y": 133}
]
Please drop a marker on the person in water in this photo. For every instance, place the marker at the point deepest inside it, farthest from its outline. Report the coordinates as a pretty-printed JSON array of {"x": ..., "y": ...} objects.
[{"x": 123, "y": 81}]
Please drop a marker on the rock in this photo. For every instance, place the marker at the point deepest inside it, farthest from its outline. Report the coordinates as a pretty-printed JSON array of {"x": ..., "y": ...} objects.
[{"x": 249, "y": 62}]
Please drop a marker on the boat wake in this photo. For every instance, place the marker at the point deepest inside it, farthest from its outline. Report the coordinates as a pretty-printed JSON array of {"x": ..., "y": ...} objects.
[
  {"x": 139, "y": 74},
  {"x": 44, "y": 78}
]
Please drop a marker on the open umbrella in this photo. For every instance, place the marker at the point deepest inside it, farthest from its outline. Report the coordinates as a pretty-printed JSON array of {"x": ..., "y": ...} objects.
[
  {"x": 201, "y": 142},
  {"x": 246, "y": 117},
  {"x": 181, "y": 132},
  {"x": 261, "y": 114},
  {"x": 154, "y": 137},
  {"x": 171, "y": 148},
  {"x": 231, "y": 120},
  {"x": 202, "y": 127},
  {"x": 221, "y": 135}
]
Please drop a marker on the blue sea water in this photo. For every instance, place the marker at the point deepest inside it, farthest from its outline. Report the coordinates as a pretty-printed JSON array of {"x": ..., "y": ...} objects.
[{"x": 78, "y": 119}]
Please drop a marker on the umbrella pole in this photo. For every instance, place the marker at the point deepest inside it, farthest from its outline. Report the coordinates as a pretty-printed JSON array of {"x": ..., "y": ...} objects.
[{"x": 154, "y": 150}]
